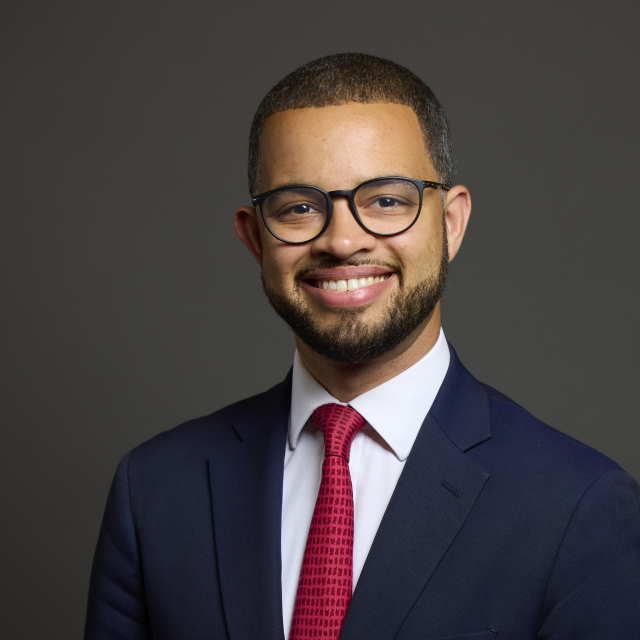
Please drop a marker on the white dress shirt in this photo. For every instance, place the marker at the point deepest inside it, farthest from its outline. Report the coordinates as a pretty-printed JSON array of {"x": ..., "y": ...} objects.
[{"x": 394, "y": 411}]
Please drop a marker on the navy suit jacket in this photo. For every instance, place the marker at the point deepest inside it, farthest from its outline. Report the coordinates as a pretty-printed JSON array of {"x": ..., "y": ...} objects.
[{"x": 499, "y": 527}]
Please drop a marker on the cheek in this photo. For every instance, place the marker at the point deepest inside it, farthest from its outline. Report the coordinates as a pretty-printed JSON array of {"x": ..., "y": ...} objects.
[
  {"x": 281, "y": 262},
  {"x": 419, "y": 251},
  {"x": 418, "y": 248}
]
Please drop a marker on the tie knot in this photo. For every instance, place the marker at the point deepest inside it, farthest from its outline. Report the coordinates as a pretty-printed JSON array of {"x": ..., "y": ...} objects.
[{"x": 339, "y": 424}]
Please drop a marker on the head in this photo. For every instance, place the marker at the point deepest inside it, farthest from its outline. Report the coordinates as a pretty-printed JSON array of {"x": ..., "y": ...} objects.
[
  {"x": 335, "y": 123},
  {"x": 355, "y": 77}
]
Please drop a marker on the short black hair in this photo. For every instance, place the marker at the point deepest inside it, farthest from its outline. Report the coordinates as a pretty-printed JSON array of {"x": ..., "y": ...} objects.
[{"x": 356, "y": 77}]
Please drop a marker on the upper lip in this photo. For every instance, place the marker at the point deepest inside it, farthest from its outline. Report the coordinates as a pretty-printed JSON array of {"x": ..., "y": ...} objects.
[{"x": 347, "y": 273}]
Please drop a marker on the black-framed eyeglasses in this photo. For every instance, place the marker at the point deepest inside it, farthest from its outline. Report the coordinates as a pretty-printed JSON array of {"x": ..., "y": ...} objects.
[{"x": 299, "y": 213}]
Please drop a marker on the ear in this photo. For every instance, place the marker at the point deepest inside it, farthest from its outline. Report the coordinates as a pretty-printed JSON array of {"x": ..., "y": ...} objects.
[
  {"x": 457, "y": 210},
  {"x": 247, "y": 228}
]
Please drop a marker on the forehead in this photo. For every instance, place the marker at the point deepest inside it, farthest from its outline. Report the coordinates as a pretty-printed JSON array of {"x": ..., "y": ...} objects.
[{"x": 338, "y": 146}]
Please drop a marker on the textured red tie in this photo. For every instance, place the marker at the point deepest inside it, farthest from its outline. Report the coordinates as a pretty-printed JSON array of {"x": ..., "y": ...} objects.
[{"x": 326, "y": 577}]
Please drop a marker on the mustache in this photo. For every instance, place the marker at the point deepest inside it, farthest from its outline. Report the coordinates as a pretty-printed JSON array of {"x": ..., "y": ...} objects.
[{"x": 330, "y": 263}]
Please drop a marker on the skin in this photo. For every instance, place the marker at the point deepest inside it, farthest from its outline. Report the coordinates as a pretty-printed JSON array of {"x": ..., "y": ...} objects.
[{"x": 338, "y": 147}]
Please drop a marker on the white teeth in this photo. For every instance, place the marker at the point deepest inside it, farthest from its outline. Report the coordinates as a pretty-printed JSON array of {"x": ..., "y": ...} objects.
[{"x": 352, "y": 284}]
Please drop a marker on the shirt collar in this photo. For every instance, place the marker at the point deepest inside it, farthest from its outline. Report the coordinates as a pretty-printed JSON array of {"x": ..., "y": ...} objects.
[{"x": 395, "y": 409}]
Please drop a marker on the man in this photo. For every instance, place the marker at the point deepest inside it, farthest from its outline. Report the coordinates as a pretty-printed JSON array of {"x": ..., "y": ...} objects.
[{"x": 379, "y": 491}]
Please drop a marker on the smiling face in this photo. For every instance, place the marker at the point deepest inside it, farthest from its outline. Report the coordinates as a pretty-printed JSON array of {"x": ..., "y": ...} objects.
[{"x": 349, "y": 295}]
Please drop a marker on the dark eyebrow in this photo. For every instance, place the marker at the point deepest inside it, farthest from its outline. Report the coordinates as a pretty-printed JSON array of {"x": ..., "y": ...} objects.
[{"x": 301, "y": 183}]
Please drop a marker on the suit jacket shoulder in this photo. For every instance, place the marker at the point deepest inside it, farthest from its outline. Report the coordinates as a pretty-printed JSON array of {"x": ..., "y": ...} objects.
[
  {"x": 179, "y": 445},
  {"x": 539, "y": 446}
]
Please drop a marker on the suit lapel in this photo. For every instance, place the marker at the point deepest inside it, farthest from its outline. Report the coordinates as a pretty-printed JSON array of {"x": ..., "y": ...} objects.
[
  {"x": 246, "y": 495},
  {"x": 435, "y": 493}
]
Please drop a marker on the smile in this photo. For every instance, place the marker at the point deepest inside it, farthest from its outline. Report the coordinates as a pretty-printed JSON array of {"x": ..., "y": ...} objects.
[
  {"x": 348, "y": 285},
  {"x": 348, "y": 292}
]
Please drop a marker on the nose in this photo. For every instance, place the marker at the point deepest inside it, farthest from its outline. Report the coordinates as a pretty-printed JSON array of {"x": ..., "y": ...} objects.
[{"x": 343, "y": 237}]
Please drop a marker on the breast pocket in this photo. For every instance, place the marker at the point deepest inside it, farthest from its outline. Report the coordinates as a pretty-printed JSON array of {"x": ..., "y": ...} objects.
[{"x": 478, "y": 635}]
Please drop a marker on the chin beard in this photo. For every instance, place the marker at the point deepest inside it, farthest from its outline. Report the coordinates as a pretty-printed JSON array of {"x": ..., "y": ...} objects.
[{"x": 351, "y": 341}]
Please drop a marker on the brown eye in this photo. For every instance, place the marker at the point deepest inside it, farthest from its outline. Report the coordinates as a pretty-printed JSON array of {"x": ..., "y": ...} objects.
[
  {"x": 300, "y": 208},
  {"x": 387, "y": 202}
]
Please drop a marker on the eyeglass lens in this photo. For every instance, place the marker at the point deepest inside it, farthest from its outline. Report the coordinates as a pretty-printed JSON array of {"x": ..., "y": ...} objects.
[{"x": 297, "y": 214}]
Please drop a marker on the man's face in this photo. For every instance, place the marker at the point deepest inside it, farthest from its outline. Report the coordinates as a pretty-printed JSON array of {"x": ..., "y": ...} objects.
[{"x": 338, "y": 147}]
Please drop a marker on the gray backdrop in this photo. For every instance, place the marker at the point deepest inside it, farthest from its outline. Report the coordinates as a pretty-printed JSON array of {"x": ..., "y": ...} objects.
[{"x": 130, "y": 305}]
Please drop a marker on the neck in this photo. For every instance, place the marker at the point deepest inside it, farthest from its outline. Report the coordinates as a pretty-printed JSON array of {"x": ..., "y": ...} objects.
[{"x": 347, "y": 381}]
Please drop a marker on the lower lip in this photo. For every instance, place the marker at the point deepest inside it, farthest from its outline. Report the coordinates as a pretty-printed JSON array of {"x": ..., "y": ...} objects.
[{"x": 355, "y": 298}]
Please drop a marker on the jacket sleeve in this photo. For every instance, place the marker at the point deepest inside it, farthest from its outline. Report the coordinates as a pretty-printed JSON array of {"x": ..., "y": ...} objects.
[
  {"x": 116, "y": 608},
  {"x": 594, "y": 589}
]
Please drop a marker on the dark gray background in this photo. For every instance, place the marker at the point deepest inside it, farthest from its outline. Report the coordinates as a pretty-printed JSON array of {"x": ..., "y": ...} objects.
[{"x": 130, "y": 305}]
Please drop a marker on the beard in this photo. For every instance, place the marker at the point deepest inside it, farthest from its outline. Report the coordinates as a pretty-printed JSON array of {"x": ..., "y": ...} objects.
[{"x": 352, "y": 341}]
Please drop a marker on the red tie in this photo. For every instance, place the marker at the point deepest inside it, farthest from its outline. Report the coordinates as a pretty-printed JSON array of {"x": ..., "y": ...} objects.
[{"x": 326, "y": 577}]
